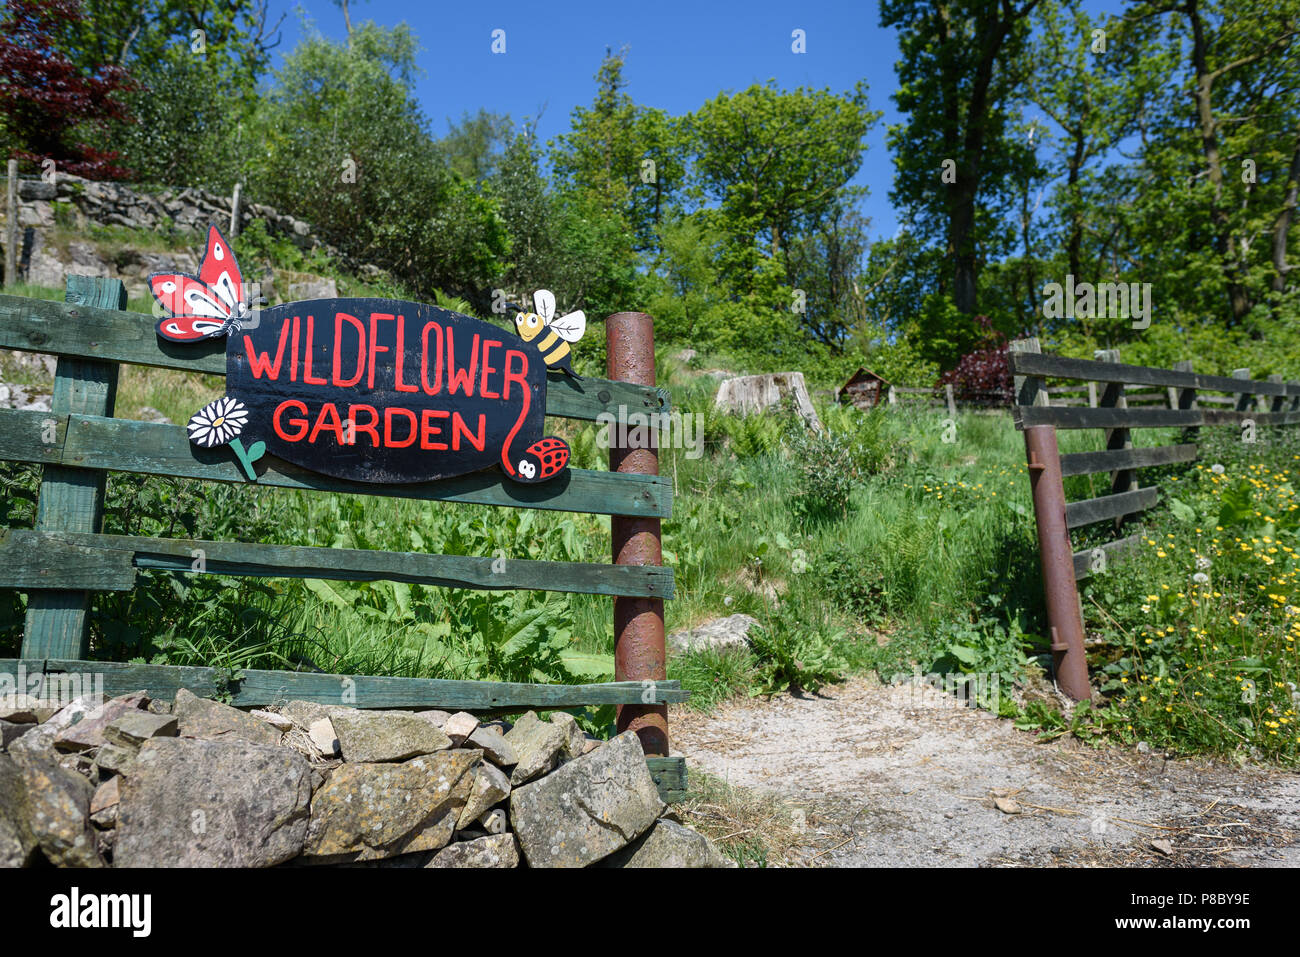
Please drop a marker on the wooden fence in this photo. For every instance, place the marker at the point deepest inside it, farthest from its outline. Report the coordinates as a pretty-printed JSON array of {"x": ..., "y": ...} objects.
[
  {"x": 65, "y": 557},
  {"x": 942, "y": 398},
  {"x": 1169, "y": 398}
]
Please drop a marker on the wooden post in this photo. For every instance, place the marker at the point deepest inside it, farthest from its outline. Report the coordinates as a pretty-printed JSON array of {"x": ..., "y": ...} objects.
[
  {"x": 1113, "y": 398},
  {"x": 72, "y": 499},
  {"x": 639, "y": 653},
  {"x": 1279, "y": 401},
  {"x": 1243, "y": 398},
  {"x": 1186, "y": 399},
  {"x": 893, "y": 396},
  {"x": 1092, "y": 395},
  {"x": 234, "y": 213},
  {"x": 11, "y": 226},
  {"x": 952, "y": 405}
]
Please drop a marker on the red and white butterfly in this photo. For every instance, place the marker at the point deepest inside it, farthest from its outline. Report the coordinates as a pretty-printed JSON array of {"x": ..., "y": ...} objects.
[{"x": 204, "y": 307}]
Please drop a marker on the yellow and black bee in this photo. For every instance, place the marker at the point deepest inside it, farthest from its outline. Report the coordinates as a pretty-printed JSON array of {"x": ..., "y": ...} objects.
[{"x": 554, "y": 345}]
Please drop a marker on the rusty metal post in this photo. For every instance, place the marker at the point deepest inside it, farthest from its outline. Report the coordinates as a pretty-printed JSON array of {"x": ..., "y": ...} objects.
[
  {"x": 638, "y": 622},
  {"x": 1063, "y": 618}
]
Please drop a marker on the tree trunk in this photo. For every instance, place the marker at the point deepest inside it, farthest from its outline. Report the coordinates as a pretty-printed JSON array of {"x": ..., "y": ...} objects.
[
  {"x": 1282, "y": 227},
  {"x": 1238, "y": 295}
]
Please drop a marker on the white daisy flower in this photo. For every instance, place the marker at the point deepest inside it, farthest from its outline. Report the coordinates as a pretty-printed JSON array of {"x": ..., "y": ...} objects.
[{"x": 218, "y": 422}]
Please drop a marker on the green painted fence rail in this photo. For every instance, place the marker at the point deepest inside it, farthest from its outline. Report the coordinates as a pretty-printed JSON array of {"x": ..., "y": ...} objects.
[{"x": 65, "y": 558}]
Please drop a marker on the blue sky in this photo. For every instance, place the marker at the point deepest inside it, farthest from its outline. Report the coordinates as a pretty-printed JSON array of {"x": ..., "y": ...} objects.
[{"x": 680, "y": 54}]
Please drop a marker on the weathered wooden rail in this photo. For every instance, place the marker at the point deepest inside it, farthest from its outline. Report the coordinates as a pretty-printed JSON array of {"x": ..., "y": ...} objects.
[
  {"x": 65, "y": 558},
  {"x": 1039, "y": 413}
]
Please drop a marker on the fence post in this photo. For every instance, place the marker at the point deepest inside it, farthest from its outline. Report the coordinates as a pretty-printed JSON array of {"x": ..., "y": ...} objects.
[
  {"x": 1278, "y": 400},
  {"x": 1244, "y": 399},
  {"x": 72, "y": 499},
  {"x": 639, "y": 653},
  {"x": 11, "y": 226},
  {"x": 1064, "y": 617},
  {"x": 893, "y": 396},
  {"x": 1186, "y": 399},
  {"x": 234, "y": 213},
  {"x": 1113, "y": 398}
]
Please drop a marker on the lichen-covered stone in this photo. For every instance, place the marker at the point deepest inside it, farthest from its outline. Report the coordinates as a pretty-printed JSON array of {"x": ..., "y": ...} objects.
[
  {"x": 538, "y": 745},
  {"x": 491, "y": 786},
  {"x": 89, "y": 731},
  {"x": 17, "y": 842},
  {"x": 494, "y": 850},
  {"x": 370, "y": 811},
  {"x": 213, "y": 721},
  {"x": 494, "y": 746},
  {"x": 134, "y": 728},
  {"x": 189, "y": 802},
  {"x": 589, "y": 808},
  {"x": 575, "y": 742},
  {"x": 369, "y": 737},
  {"x": 58, "y": 811},
  {"x": 668, "y": 844}
]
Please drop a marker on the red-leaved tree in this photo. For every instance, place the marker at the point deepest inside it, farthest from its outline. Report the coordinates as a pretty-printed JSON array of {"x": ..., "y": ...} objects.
[
  {"x": 983, "y": 374},
  {"x": 46, "y": 98}
]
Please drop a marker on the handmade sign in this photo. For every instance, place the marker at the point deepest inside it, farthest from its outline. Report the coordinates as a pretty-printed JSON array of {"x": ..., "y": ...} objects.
[{"x": 374, "y": 390}]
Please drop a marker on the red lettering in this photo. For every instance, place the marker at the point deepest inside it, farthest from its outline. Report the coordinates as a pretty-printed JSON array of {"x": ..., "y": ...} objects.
[
  {"x": 353, "y": 321},
  {"x": 424, "y": 360},
  {"x": 458, "y": 378},
  {"x": 389, "y": 441},
  {"x": 401, "y": 351},
  {"x": 427, "y": 430},
  {"x": 306, "y": 368},
  {"x": 459, "y": 428},
  {"x": 488, "y": 370},
  {"x": 367, "y": 427},
  {"x": 260, "y": 365},
  {"x": 328, "y": 421},
  {"x": 375, "y": 319},
  {"x": 293, "y": 354},
  {"x": 520, "y": 377},
  {"x": 300, "y": 424}
]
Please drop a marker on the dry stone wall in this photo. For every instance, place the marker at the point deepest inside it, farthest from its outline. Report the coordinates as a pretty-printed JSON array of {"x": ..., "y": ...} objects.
[
  {"x": 133, "y": 782},
  {"x": 74, "y": 202}
]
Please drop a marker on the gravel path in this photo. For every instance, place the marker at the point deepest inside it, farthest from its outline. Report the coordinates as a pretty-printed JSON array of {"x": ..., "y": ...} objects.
[{"x": 904, "y": 776}]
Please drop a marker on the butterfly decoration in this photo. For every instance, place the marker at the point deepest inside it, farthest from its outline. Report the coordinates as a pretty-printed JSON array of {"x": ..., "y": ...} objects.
[{"x": 203, "y": 307}]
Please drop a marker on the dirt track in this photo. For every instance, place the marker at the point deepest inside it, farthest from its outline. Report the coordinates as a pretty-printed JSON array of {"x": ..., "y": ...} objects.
[{"x": 903, "y": 776}]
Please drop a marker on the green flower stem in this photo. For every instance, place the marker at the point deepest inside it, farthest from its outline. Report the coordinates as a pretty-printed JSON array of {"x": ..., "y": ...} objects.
[{"x": 244, "y": 459}]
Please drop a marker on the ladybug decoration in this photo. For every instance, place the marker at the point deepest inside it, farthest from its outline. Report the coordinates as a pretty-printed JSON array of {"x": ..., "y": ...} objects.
[{"x": 542, "y": 460}]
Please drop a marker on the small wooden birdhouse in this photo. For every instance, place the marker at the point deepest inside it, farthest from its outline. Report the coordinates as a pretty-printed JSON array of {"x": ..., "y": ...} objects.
[{"x": 863, "y": 389}]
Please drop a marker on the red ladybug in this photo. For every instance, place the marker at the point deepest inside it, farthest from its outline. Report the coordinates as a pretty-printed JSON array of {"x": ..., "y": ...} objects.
[{"x": 544, "y": 459}]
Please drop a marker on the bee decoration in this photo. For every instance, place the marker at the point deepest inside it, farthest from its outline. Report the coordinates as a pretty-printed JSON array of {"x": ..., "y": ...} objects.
[{"x": 556, "y": 334}]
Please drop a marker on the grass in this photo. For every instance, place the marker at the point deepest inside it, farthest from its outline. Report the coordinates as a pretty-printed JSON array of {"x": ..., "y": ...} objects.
[{"x": 893, "y": 544}]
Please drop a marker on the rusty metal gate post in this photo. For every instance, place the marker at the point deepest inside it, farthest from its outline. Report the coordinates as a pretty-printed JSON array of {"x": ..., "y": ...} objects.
[
  {"x": 638, "y": 622},
  {"x": 1063, "y": 618},
  {"x": 1064, "y": 615}
]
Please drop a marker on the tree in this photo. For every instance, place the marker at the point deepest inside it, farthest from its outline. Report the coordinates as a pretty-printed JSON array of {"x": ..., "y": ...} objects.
[
  {"x": 626, "y": 158},
  {"x": 962, "y": 65},
  {"x": 343, "y": 145},
  {"x": 778, "y": 166},
  {"x": 1225, "y": 139},
  {"x": 473, "y": 147},
  {"x": 48, "y": 99}
]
